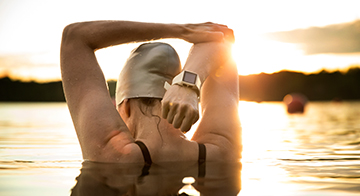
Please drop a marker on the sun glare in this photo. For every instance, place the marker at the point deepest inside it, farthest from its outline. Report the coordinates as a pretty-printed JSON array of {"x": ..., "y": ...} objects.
[
  {"x": 256, "y": 54},
  {"x": 256, "y": 118},
  {"x": 263, "y": 134}
]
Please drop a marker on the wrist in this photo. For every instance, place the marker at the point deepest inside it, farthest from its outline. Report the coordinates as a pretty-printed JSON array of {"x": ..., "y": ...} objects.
[
  {"x": 186, "y": 91},
  {"x": 178, "y": 31},
  {"x": 186, "y": 79}
]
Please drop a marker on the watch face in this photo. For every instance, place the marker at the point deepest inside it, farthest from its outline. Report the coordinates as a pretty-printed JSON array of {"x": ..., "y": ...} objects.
[{"x": 189, "y": 77}]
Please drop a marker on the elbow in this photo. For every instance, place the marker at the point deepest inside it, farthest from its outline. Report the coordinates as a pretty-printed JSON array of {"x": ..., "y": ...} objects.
[
  {"x": 69, "y": 32},
  {"x": 74, "y": 33}
]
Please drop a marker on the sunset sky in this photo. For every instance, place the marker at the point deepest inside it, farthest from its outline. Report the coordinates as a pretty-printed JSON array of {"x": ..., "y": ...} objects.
[{"x": 305, "y": 36}]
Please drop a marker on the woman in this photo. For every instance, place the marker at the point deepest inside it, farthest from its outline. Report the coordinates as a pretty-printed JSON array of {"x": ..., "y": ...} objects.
[{"x": 150, "y": 127}]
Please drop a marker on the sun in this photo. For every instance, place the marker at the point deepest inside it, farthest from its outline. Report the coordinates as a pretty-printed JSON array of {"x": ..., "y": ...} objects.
[{"x": 257, "y": 54}]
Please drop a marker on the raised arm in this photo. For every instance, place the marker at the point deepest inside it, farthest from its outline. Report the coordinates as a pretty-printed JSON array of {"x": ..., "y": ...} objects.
[
  {"x": 219, "y": 127},
  {"x": 101, "y": 132},
  {"x": 180, "y": 104}
]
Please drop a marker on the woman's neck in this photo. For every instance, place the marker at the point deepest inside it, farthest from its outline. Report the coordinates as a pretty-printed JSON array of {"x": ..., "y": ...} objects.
[
  {"x": 146, "y": 127},
  {"x": 154, "y": 128}
]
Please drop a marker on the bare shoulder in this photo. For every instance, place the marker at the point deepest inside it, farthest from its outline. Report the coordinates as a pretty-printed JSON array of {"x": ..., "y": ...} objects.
[{"x": 121, "y": 149}]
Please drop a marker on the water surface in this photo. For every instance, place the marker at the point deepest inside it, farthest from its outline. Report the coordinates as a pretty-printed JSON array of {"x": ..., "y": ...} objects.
[{"x": 315, "y": 153}]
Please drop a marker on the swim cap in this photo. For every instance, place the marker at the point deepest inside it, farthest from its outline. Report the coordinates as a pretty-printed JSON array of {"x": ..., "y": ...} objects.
[{"x": 146, "y": 70}]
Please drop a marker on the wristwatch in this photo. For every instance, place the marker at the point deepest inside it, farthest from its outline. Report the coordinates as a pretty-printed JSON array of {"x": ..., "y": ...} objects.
[{"x": 187, "y": 79}]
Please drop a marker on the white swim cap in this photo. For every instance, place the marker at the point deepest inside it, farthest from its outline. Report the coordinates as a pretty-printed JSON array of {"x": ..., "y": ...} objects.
[{"x": 146, "y": 70}]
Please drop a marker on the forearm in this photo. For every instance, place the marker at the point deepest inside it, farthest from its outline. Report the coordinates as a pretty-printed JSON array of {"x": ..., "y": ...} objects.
[
  {"x": 206, "y": 58},
  {"x": 101, "y": 34}
]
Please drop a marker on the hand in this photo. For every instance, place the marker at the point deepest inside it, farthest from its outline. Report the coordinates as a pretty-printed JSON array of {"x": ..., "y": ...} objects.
[
  {"x": 208, "y": 32},
  {"x": 180, "y": 107}
]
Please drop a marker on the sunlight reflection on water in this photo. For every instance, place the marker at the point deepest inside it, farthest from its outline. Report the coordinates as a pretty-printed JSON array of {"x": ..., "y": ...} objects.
[{"x": 315, "y": 153}]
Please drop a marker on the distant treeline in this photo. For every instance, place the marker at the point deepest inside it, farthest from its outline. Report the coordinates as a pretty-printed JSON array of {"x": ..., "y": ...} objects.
[
  {"x": 321, "y": 86},
  {"x": 261, "y": 87},
  {"x": 30, "y": 91}
]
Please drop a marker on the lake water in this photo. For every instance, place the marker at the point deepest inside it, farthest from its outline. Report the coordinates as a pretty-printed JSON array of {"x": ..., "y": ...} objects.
[{"x": 315, "y": 153}]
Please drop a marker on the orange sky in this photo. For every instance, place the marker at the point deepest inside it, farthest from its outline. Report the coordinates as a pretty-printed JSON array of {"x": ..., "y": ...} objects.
[{"x": 31, "y": 32}]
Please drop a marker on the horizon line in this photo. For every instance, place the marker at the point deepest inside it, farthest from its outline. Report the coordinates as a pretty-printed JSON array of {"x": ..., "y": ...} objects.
[{"x": 43, "y": 81}]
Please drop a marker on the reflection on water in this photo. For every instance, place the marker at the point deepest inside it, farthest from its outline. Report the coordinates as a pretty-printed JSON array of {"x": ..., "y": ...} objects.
[
  {"x": 165, "y": 179},
  {"x": 315, "y": 153},
  {"x": 39, "y": 152}
]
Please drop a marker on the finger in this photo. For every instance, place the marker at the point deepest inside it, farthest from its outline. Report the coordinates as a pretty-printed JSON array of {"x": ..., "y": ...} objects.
[
  {"x": 165, "y": 109},
  {"x": 180, "y": 115},
  {"x": 228, "y": 33},
  {"x": 217, "y": 24},
  {"x": 186, "y": 124},
  {"x": 209, "y": 27},
  {"x": 190, "y": 118},
  {"x": 196, "y": 118},
  {"x": 220, "y": 28},
  {"x": 171, "y": 114},
  {"x": 214, "y": 36},
  {"x": 221, "y": 25},
  {"x": 178, "y": 119}
]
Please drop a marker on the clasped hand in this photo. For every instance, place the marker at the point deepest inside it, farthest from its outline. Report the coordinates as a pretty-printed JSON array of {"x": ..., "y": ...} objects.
[
  {"x": 208, "y": 32},
  {"x": 180, "y": 107}
]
